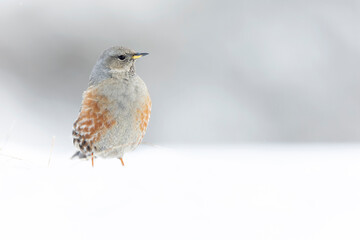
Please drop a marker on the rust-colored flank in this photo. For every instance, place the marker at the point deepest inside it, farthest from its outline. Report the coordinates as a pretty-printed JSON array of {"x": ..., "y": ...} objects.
[
  {"x": 94, "y": 117},
  {"x": 93, "y": 122},
  {"x": 143, "y": 116}
]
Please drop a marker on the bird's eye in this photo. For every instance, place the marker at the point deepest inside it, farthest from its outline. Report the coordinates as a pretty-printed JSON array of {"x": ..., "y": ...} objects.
[{"x": 122, "y": 57}]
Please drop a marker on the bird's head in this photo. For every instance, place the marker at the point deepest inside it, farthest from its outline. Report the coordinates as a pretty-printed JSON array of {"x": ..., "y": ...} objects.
[{"x": 115, "y": 62}]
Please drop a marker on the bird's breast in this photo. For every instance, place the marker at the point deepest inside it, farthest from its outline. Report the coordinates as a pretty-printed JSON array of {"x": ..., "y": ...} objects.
[{"x": 129, "y": 101}]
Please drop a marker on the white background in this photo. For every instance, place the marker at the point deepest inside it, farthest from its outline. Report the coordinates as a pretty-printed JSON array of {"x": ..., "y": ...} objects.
[{"x": 234, "y": 192}]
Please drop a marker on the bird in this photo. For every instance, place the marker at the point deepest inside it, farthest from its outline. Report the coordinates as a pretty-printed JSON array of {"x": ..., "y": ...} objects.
[{"x": 115, "y": 109}]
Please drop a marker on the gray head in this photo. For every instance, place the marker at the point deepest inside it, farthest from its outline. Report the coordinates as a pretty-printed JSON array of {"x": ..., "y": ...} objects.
[{"x": 115, "y": 62}]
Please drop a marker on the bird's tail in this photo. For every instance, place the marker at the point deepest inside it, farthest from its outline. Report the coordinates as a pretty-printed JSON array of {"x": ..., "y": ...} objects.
[{"x": 79, "y": 155}]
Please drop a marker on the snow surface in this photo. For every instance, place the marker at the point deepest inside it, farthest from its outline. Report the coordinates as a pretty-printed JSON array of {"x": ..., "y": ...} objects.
[{"x": 181, "y": 192}]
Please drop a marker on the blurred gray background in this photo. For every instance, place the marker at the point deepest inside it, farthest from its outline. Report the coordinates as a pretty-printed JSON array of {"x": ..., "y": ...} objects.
[{"x": 218, "y": 71}]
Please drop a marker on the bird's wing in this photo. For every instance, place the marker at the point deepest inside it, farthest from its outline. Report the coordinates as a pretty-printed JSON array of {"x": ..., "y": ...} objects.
[{"x": 93, "y": 122}]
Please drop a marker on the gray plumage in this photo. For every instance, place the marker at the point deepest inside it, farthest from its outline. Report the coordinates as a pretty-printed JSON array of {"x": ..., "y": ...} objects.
[{"x": 116, "y": 106}]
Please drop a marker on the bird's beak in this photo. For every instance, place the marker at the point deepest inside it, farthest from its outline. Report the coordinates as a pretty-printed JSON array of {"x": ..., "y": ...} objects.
[{"x": 139, "y": 55}]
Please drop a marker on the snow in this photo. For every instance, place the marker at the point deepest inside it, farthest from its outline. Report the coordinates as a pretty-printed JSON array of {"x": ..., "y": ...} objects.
[{"x": 277, "y": 191}]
